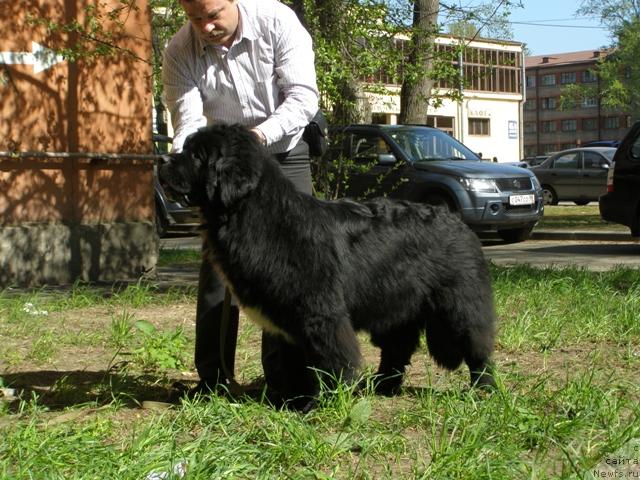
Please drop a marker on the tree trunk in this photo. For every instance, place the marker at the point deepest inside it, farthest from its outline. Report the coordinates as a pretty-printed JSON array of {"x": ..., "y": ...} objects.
[{"x": 417, "y": 86}]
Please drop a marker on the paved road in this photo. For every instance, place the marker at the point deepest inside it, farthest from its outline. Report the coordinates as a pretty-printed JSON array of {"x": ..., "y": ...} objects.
[{"x": 596, "y": 250}]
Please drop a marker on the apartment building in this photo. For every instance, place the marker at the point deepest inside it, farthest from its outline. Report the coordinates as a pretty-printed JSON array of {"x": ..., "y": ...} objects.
[
  {"x": 488, "y": 120},
  {"x": 547, "y": 127}
]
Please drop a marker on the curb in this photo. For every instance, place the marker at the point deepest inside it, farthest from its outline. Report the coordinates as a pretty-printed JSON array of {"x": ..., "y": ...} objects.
[
  {"x": 195, "y": 243},
  {"x": 594, "y": 235}
]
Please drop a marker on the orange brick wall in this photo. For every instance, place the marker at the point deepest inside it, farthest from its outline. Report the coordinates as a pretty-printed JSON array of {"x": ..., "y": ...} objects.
[{"x": 91, "y": 105}]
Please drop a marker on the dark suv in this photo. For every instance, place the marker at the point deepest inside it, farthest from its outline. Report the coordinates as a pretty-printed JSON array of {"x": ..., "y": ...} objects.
[
  {"x": 424, "y": 164},
  {"x": 621, "y": 203}
]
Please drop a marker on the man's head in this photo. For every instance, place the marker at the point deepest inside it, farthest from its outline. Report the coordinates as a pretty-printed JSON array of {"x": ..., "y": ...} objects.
[{"x": 216, "y": 21}]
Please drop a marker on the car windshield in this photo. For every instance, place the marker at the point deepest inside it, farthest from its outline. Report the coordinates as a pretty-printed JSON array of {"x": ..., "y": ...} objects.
[{"x": 427, "y": 144}]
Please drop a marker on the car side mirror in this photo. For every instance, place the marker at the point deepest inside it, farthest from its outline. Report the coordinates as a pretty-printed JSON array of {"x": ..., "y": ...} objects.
[{"x": 386, "y": 159}]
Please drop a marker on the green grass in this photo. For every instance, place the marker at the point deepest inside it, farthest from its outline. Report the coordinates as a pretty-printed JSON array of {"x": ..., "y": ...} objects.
[
  {"x": 567, "y": 358},
  {"x": 547, "y": 308},
  {"x": 170, "y": 256},
  {"x": 575, "y": 217}
]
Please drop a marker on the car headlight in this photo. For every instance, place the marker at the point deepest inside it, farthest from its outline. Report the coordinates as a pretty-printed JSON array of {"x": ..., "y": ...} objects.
[{"x": 479, "y": 184}]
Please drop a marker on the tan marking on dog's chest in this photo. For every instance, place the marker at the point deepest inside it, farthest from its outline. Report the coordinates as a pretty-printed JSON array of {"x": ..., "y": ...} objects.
[
  {"x": 254, "y": 314},
  {"x": 257, "y": 317}
]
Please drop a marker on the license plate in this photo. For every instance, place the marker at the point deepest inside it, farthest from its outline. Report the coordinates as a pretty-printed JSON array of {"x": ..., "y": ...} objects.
[{"x": 522, "y": 199}]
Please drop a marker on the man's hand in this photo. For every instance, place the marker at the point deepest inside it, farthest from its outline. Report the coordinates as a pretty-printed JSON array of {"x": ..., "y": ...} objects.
[{"x": 261, "y": 138}]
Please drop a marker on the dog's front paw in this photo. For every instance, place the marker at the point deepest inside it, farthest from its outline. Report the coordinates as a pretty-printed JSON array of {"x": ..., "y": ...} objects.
[{"x": 388, "y": 386}]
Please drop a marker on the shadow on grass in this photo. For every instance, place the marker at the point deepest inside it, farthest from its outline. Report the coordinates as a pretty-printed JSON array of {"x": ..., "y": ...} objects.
[{"x": 60, "y": 390}]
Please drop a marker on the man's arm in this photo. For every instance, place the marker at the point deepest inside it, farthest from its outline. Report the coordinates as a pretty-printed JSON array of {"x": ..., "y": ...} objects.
[{"x": 295, "y": 69}]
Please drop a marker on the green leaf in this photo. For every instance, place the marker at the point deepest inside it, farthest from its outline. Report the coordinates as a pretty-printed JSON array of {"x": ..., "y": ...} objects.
[
  {"x": 341, "y": 441},
  {"x": 359, "y": 413},
  {"x": 145, "y": 327}
]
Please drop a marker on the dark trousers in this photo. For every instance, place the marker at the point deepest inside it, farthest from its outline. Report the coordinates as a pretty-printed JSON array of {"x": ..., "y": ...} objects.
[{"x": 276, "y": 354}]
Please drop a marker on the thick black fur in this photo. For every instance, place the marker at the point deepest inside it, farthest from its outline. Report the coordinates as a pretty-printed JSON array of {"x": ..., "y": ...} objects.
[{"x": 321, "y": 270}]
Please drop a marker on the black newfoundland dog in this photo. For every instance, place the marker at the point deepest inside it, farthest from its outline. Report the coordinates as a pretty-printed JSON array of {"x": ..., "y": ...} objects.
[{"x": 316, "y": 271}]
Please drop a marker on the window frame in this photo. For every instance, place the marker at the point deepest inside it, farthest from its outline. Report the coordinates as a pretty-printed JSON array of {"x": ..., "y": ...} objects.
[{"x": 484, "y": 124}]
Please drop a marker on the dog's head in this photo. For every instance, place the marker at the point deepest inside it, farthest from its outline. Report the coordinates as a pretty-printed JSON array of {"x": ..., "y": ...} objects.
[{"x": 218, "y": 163}]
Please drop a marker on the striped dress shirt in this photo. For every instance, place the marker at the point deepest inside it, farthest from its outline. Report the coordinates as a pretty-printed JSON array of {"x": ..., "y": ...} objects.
[{"x": 266, "y": 79}]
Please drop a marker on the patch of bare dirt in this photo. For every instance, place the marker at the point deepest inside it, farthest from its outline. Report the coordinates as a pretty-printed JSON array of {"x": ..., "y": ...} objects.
[{"x": 85, "y": 358}]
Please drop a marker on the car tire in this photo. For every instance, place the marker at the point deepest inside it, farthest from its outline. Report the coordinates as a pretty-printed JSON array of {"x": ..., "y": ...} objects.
[
  {"x": 440, "y": 200},
  {"x": 581, "y": 203},
  {"x": 549, "y": 195},
  {"x": 515, "y": 235},
  {"x": 635, "y": 229},
  {"x": 161, "y": 224}
]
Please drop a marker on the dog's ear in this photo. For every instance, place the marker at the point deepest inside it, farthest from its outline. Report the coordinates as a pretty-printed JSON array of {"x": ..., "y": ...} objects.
[
  {"x": 211, "y": 175},
  {"x": 236, "y": 174}
]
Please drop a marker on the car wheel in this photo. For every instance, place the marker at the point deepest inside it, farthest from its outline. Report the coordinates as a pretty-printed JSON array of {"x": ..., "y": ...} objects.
[
  {"x": 161, "y": 224},
  {"x": 549, "y": 195},
  {"x": 441, "y": 200},
  {"x": 635, "y": 229},
  {"x": 515, "y": 235}
]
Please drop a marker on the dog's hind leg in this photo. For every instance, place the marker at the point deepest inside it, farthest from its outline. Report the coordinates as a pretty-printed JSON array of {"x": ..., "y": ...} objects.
[
  {"x": 480, "y": 344},
  {"x": 396, "y": 349},
  {"x": 478, "y": 337},
  {"x": 464, "y": 332}
]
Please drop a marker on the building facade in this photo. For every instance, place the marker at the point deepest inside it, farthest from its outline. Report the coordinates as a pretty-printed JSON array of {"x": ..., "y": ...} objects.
[
  {"x": 547, "y": 126},
  {"x": 488, "y": 120}
]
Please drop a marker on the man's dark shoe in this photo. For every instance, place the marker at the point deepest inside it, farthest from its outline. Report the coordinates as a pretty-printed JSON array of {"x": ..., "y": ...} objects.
[{"x": 204, "y": 388}]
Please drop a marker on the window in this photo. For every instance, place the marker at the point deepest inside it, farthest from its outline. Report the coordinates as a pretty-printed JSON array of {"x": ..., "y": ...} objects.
[
  {"x": 593, "y": 161},
  {"x": 590, "y": 102},
  {"x": 589, "y": 124},
  {"x": 483, "y": 69},
  {"x": 611, "y": 122},
  {"x": 479, "y": 126},
  {"x": 531, "y": 81},
  {"x": 548, "y": 80},
  {"x": 588, "y": 76},
  {"x": 567, "y": 146},
  {"x": 567, "y": 78},
  {"x": 530, "y": 127},
  {"x": 548, "y": 103},
  {"x": 548, "y": 148},
  {"x": 366, "y": 148},
  {"x": 548, "y": 127},
  {"x": 530, "y": 105},
  {"x": 635, "y": 149},
  {"x": 569, "y": 125},
  {"x": 569, "y": 160},
  {"x": 445, "y": 124}
]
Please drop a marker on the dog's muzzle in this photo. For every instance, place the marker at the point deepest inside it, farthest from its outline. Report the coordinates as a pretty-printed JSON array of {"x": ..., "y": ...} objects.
[{"x": 171, "y": 195}]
